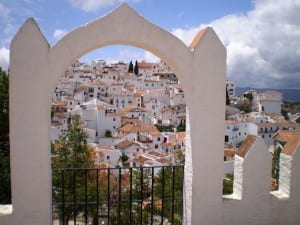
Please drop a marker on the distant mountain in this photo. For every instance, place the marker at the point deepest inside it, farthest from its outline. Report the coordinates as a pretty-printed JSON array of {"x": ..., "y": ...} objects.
[{"x": 291, "y": 95}]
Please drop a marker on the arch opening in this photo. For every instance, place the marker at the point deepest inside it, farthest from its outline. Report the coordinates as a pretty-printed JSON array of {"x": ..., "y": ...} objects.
[{"x": 133, "y": 114}]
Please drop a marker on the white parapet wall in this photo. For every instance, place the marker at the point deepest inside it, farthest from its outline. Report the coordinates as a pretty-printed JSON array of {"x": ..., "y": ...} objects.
[
  {"x": 252, "y": 202},
  {"x": 35, "y": 68}
]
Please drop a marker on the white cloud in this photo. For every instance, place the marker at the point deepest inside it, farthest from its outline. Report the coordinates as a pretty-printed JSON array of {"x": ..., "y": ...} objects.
[
  {"x": 4, "y": 58},
  {"x": 149, "y": 57},
  {"x": 263, "y": 46},
  {"x": 94, "y": 5},
  {"x": 59, "y": 33},
  {"x": 4, "y": 11}
]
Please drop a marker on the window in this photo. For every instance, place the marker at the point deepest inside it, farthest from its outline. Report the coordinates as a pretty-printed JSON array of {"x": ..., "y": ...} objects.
[
  {"x": 158, "y": 139},
  {"x": 114, "y": 119}
]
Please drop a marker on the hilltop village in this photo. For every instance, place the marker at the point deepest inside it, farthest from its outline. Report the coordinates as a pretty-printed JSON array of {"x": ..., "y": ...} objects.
[{"x": 134, "y": 114}]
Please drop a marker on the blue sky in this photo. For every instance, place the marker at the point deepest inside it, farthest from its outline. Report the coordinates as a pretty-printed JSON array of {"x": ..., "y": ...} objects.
[{"x": 262, "y": 37}]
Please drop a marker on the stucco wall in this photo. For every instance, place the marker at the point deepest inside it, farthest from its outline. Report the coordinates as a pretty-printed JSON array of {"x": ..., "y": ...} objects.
[{"x": 35, "y": 69}]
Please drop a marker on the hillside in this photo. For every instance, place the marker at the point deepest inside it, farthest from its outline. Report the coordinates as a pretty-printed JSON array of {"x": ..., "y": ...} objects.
[{"x": 289, "y": 95}]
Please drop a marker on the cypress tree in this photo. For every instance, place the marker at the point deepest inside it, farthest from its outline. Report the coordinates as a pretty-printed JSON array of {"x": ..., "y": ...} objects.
[
  {"x": 136, "y": 68},
  {"x": 5, "y": 193},
  {"x": 130, "y": 67}
]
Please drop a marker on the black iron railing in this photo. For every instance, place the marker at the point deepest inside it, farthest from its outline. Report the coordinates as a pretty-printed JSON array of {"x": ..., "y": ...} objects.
[{"x": 139, "y": 195}]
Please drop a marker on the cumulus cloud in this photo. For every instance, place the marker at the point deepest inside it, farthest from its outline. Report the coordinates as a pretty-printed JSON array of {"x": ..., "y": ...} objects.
[
  {"x": 4, "y": 58},
  {"x": 94, "y": 5},
  {"x": 59, "y": 33},
  {"x": 263, "y": 46}
]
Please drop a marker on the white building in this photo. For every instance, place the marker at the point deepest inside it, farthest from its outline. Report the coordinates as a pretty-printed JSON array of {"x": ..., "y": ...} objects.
[
  {"x": 269, "y": 102},
  {"x": 237, "y": 131}
]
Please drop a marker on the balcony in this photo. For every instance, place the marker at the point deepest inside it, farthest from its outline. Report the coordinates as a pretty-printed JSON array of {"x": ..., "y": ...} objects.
[{"x": 141, "y": 195}]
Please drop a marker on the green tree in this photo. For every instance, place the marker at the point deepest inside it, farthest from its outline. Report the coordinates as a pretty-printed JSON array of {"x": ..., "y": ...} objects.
[
  {"x": 165, "y": 186},
  {"x": 130, "y": 67},
  {"x": 137, "y": 210},
  {"x": 276, "y": 164},
  {"x": 72, "y": 152},
  {"x": 181, "y": 126},
  {"x": 227, "y": 97},
  {"x": 136, "y": 68},
  {"x": 5, "y": 191},
  {"x": 249, "y": 96},
  {"x": 228, "y": 184}
]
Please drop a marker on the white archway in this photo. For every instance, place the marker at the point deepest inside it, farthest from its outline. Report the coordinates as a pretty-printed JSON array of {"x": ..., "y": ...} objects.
[{"x": 34, "y": 72}]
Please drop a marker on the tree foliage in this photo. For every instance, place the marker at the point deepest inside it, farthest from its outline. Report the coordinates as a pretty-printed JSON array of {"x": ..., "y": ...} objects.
[
  {"x": 5, "y": 192},
  {"x": 71, "y": 152},
  {"x": 130, "y": 67},
  {"x": 228, "y": 184},
  {"x": 136, "y": 68},
  {"x": 227, "y": 97}
]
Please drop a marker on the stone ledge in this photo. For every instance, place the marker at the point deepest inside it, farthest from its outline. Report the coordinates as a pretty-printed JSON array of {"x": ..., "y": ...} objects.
[{"x": 6, "y": 210}]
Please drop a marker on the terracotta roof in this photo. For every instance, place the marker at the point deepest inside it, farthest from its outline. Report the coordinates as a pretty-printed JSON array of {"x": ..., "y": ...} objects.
[
  {"x": 124, "y": 144},
  {"x": 157, "y": 153},
  {"x": 129, "y": 128},
  {"x": 133, "y": 108},
  {"x": 60, "y": 115},
  {"x": 285, "y": 135},
  {"x": 284, "y": 123},
  {"x": 164, "y": 161},
  {"x": 59, "y": 103},
  {"x": 229, "y": 152},
  {"x": 166, "y": 144},
  {"x": 144, "y": 65},
  {"x": 246, "y": 145},
  {"x": 270, "y": 100},
  {"x": 142, "y": 159},
  {"x": 198, "y": 38},
  {"x": 291, "y": 146},
  {"x": 179, "y": 136}
]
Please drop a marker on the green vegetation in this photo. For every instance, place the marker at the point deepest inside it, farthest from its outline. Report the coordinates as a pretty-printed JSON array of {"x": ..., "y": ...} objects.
[
  {"x": 136, "y": 68},
  {"x": 5, "y": 191},
  {"x": 181, "y": 127},
  {"x": 275, "y": 165},
  {"x": 71, "y": 152},
  {"x": 108, "y": 133},
  {"x": 291, "y": 107},
  {"x": 163, "y": 128},
  {"x": 249, "y": 96},
  {"x": 130, "y": 67},
  {"x": 227, "y": 98},
  {"x": 228, "y": 184}
]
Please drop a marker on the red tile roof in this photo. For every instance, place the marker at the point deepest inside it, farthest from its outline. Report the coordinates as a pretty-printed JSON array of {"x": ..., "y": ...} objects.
[{"x": 246, "y": 145}]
